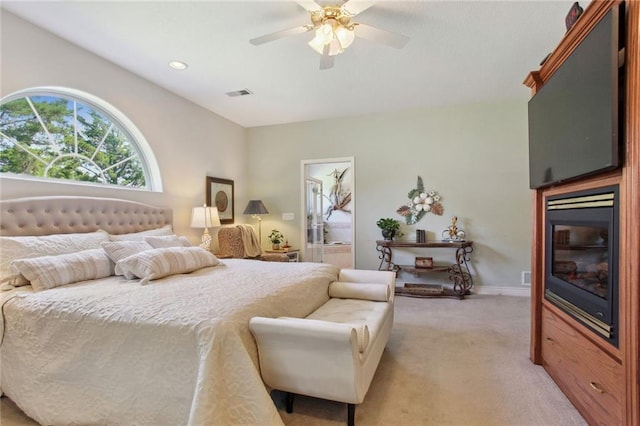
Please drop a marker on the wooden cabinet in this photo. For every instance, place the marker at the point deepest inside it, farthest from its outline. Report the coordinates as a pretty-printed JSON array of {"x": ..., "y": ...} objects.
[
  {"x": 591, "y": 378},
  {"x": 602, "y": 381}
]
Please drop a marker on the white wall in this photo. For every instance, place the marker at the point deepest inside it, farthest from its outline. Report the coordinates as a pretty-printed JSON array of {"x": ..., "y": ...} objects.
[
  {"x": 189, "y": 142},
  {"x": 475, "y": 156}
]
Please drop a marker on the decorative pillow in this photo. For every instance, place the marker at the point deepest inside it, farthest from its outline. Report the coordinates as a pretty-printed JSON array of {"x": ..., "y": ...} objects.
[
  {"x": 162, "y": 262},
  {"x": 12, "y": 248},
  {"x": 118, "y": 250},
  {"x": 347, "y": 290},
  {"x": 52, "y": 271},
  {"x": 166, "y": 241},
  {"x": 139, "y": 236}
]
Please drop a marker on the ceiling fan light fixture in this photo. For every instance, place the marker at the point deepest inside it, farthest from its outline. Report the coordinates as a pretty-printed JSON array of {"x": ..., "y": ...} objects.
[
  {"x": 333, "y": 34},
  {"x": 317, "y": 44},
  {"x": 345, "y": 36}
]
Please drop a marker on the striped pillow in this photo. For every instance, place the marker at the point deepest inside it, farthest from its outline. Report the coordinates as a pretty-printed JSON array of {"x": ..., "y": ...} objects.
[
  {"x": 166, "y": 241},
  {"x": 162, "y": 262},
  {"x": 47, "y": 272}
]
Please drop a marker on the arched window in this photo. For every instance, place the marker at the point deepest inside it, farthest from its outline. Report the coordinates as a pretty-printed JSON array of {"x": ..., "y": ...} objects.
[{"x": 67, "y": 134}]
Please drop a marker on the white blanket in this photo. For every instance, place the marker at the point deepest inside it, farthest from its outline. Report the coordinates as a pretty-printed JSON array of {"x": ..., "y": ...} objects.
[{"x": 177, "y": 351}]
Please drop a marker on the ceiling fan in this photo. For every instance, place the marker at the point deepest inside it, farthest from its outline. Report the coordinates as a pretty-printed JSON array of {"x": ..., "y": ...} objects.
[{"x": 335, "y": 30}]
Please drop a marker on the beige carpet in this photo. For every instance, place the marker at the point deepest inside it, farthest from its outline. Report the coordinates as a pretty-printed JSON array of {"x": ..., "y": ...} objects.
[{"x": 448, "y": 362}]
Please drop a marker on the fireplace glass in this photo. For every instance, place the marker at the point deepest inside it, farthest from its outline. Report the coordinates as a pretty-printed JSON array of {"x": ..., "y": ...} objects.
[
  {"x": 581, "y": 257},
  {"x": 581, "y": 266}
]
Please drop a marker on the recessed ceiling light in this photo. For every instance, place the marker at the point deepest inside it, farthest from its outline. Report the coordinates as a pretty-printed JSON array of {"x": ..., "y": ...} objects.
[{"x": 178, "y": 65}]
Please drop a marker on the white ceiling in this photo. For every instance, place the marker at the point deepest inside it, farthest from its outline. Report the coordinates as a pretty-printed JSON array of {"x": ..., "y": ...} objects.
[{"x": 459, "y": 52}]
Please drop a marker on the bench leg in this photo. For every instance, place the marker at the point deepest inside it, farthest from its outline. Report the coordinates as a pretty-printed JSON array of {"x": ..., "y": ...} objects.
[
  {"x": 289, "y": 402},
  {"x": 351, "y": 414}
]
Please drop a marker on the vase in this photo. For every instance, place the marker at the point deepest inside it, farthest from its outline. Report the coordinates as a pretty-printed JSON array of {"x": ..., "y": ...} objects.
[
  {"x": 275, "y": 246},
  {"x": 388, "y": 234}
]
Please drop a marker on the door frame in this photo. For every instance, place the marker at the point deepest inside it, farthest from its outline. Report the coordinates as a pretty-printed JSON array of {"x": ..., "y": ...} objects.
[{"x": 303, "y": 214}]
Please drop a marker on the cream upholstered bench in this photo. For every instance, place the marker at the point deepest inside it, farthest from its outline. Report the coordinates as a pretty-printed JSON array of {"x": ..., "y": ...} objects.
[{"x": 334, "y": 352}]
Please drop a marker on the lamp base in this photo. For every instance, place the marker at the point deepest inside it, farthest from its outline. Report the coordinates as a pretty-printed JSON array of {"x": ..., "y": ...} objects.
[{"x": 206, "y": 240}]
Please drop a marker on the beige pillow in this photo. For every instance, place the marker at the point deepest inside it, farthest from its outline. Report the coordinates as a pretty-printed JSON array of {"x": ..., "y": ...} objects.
[
  {"x": 166, "y": 241},
  {"x": 118, "y": 250},
  {"x": 162, "y": 262},
  {"x": 139, "y": 236},
  {"x": 12, "y": 248},
  {"x": 47, "y": 272}
]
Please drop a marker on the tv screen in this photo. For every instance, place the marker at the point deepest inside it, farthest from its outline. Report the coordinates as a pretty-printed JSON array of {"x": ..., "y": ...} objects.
[{"x": 573, "y": 118}]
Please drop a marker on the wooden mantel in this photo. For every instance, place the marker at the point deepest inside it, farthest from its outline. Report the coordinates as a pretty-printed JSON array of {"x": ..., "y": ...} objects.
[{"x": 628, "y": 178}]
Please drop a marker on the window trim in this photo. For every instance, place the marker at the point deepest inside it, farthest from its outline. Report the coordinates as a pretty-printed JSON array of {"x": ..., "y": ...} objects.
[{"x": 139, "y": 142}]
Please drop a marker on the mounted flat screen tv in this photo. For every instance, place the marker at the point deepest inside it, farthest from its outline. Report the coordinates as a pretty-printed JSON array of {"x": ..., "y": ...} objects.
[{"x": 575, "y": 118}]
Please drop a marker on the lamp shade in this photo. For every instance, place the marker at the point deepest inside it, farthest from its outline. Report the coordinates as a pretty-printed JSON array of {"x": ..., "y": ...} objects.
[
  {"x": 255, "y": 207},
  {"x": 204, "y": 217}
]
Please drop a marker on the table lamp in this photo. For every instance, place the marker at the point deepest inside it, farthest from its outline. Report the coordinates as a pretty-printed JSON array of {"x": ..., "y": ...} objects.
[{"x": 205, "y": 217}]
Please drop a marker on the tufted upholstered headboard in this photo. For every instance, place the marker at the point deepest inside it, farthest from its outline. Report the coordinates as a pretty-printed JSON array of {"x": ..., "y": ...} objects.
[{"x": 64, "y": 215}]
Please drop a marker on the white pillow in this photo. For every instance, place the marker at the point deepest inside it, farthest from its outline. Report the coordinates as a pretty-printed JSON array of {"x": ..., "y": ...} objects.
[
  {"x": 162, "y": 262},
  {"x": 118, "y": 250},
  {"x": 347, "y": 290},
  {"x": 47, "y": 272},
  {"x": 165, "y": 241},
  {"x": 139, "y": 236},
  {"x": 12, "y": 248}
]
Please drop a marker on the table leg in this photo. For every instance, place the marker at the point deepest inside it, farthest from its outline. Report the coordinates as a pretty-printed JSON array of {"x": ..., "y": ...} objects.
[
  {"x": 385, "y": 257},
  {"x": 459, "y": 272}
]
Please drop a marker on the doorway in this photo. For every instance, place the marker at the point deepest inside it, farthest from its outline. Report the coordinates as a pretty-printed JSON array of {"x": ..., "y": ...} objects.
[{"x": 328, "y": 211}]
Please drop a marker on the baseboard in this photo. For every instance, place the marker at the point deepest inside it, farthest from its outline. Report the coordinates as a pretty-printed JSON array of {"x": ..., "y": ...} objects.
[{"x": 502, "y": 291}]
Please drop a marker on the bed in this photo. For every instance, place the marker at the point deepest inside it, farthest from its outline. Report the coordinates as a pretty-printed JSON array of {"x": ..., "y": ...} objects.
[{"x": 167, "y": 351}]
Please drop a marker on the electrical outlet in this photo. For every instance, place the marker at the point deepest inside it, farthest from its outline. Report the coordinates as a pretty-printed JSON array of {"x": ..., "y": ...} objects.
[
  {"x": 287, "y": 216},
  {"x": 526, "y": 278}
]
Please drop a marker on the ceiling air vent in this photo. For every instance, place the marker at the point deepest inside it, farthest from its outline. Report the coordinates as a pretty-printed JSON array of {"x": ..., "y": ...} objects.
[{"x": 243, "y": 92}]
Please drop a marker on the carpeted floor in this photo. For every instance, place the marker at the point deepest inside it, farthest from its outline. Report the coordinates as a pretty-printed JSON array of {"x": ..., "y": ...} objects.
[{"x": 448, "y": 362}]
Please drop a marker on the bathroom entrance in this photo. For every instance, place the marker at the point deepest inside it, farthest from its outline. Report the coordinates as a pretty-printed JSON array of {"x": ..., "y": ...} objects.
[{"x": 328, "y": 229}]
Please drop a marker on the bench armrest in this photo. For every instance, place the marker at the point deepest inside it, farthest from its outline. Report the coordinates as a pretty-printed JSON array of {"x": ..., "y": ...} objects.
[{"x": 310, "y": 357}]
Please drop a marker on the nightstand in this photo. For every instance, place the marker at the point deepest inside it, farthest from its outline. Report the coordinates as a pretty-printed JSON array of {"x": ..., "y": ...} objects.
[{"x": 292, "y": 254}]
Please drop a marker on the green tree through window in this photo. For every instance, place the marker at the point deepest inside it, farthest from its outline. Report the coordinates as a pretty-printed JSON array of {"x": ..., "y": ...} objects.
[{"x": 55, "y": 136}]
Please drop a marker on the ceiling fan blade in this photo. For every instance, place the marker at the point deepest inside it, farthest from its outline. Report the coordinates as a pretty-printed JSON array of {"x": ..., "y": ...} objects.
[
  {"x": 326, "y": 61},
  {"x": 355, "y": 7},
  {"x": 377, "y": 35},
  {"x": 309, "y": 5},
  {"x": 280, "y": 34}
]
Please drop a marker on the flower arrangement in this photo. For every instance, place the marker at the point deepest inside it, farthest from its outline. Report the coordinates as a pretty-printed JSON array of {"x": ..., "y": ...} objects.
[
  {"x": 275, "y": 237},
  {"x": 420, "y": 203}
]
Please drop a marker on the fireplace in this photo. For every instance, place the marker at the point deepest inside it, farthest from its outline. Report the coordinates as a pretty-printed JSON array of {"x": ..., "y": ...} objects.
[{"x": 581, "y": 258}]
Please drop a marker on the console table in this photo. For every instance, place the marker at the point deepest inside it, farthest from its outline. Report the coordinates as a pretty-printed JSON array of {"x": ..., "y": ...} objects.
[{"x": 459, "y": 273}]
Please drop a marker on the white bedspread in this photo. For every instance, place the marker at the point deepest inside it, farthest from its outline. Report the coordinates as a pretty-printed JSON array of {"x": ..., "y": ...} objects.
[{"x": 177, "y": 351}]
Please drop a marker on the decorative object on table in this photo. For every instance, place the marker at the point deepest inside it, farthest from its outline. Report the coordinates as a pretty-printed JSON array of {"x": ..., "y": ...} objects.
[
  {"x": 424, "y": 262},
  {"x": 205, "y": 217},
  {"x": 340, "y": 195},
  {"x": 573, "y": 15},
  {"x": 255, "y": 208},
  {"x": 421, "y": 236},
  {"x": 390, "y": 227},
  {"x": 453, "y": 233},
  {"x": 220, "y": 195},
  {"x": 276, "y": 238},
  {"x": 420, "y": 203}
]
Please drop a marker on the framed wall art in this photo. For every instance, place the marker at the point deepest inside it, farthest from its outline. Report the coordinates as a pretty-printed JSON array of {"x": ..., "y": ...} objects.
[{"x": 220, "y": 195}]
